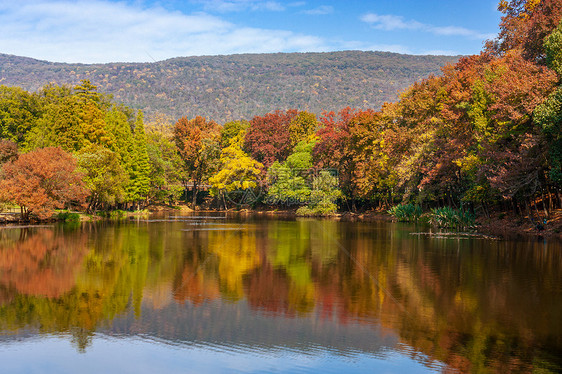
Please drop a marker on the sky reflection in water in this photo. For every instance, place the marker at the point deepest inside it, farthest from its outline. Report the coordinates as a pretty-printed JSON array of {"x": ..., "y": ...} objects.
[{"x": 247, "y": 294}]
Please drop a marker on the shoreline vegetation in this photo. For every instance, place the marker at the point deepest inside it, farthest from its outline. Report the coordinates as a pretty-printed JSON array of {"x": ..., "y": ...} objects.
[
  {"x": 498, "y": 226},
  {"x": 478, "y": 146}
]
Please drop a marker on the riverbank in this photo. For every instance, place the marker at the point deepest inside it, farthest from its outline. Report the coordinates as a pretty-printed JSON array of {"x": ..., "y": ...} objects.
[
  {"x": 499, "y": 224},
  {"x": 506, "y": 225}
]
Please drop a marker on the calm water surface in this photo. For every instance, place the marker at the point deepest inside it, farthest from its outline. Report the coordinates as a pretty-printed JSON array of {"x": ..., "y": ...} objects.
[{"x": 215, "y": 293}]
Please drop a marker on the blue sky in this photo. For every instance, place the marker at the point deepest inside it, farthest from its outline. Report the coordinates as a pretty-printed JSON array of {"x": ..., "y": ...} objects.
[{"x": 141, "y": 30}]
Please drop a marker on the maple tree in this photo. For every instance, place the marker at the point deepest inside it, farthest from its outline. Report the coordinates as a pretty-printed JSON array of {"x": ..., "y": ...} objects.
[
  {"x": 268, "y": 138},
  {"x": 41, "y": 181}
]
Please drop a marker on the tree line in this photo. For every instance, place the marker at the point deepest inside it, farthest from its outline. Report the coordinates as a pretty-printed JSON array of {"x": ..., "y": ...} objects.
[{"x": 484, "y": 134}]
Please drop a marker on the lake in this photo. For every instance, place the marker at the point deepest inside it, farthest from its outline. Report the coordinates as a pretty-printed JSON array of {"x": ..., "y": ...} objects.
[{"x": 214, "y": 293}]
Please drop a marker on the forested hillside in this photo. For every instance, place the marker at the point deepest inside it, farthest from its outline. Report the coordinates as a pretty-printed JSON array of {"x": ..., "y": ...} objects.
[{"x": 226, "y": 88}]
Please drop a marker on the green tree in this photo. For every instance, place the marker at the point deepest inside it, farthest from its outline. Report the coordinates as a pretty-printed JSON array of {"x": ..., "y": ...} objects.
[
  {"x": 19, "y": 110},
  {"x": 139, "y": 172},
  {"x": 103, "y": 175},
  {"x": 289, "y": 181},
  {"x": 166, "y": 168},
  {"x": 323, "y": 196}
]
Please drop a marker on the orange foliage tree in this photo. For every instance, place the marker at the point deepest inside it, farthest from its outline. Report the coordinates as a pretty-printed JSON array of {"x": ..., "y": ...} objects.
[
  {"x": 198, "y": 144},
  {"x": 41, "y": 181}
]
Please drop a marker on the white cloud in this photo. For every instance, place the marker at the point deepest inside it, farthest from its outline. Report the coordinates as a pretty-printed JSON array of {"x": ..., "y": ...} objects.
[
  {"x": 321, "y": 10},
  {"x": 389, "y": 22},
  {"x": 224, "y": 6},
  {"x": 103, "y": 31}
]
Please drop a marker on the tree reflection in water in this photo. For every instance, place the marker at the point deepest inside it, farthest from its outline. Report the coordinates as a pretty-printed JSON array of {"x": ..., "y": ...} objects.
[{"x": 473, "y": 304}]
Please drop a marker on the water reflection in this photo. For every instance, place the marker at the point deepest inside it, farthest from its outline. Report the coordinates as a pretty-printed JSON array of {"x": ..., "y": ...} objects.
[{"x": 305, "y": 286}]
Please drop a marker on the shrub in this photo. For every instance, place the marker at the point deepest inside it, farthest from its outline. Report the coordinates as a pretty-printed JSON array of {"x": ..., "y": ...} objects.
[
  {"x": 68, "y": 217},
  {"x": 406, "y": 212},
  {"x": 448, "y": 217}
]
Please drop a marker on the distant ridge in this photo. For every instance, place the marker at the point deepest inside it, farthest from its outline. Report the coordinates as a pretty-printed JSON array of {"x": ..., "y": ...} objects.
[{"x": 231, "y": 87}]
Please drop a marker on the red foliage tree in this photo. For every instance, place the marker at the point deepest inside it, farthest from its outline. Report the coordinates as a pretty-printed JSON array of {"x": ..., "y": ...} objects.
[
  {"x": 346, "y": 143},
  {"x": 268, "y": 139},
  {"x": 8, "y": 151},
  {"x": 42, "y": 180}
]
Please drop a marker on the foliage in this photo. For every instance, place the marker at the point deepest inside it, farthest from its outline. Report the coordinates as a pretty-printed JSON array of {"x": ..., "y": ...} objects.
[
  {"x": 268, "y": 138},
  {"x": 289, "y": 183},
  {"x": 166, "y": 171},
  {"x": 553, "y": 49},
  {"x": 233, "y": 132},
  {"x": 18, "y": 112},
  {"x": 323, "y": 196},
  {"x": 8, "y": 151},
  {"x": 68, "y": 216},
  {"x": 227, "y": 88},
  {"x": 103, "y": 175},
  {"x": 406, "y": 212},
  {"x": 447, "y": 217},
  {"x": 70, "y": 118},
  {"x": 237, "y": 171},
  {"x": 42, "y": 180},
  {"x": 302, "y": 127},
  {"x": 525, "y": 25},
  {"x": 197, "y": 141},
  {"x": 139, "y": 169}
]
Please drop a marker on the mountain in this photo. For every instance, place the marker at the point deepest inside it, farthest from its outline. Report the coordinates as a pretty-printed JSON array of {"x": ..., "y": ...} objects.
[{"x": 231, "y": 87}]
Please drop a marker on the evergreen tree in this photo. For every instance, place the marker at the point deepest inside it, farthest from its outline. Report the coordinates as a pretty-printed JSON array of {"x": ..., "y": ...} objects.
[{"x": 139, "y": 172}]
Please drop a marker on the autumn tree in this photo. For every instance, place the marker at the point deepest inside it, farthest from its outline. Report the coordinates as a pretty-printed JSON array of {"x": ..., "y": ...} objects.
[
  {"x": 524, "y": 26},
  {"x": 348, "y": 143},
  {"x": 548, "y": 115},
  {"x": 233, "y": 132},
  {"x": 70, "y": 118},
  {"x": 302, "y": 127},
  {"x": 268, "y": 138},
  {"x": 8, "y": 151},
  {"x": 42, "y": 180},
  {"x": 198, "y": 144},
  {"x": 323, "y": 196},
  {"x": 237, "y": 172}
]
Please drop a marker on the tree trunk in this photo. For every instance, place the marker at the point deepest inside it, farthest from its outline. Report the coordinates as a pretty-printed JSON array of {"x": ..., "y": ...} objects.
[
  {"x": 195, "y": 190},
  {"x": 536, "y": 208},
  {"x": 544, "y": 206}
]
